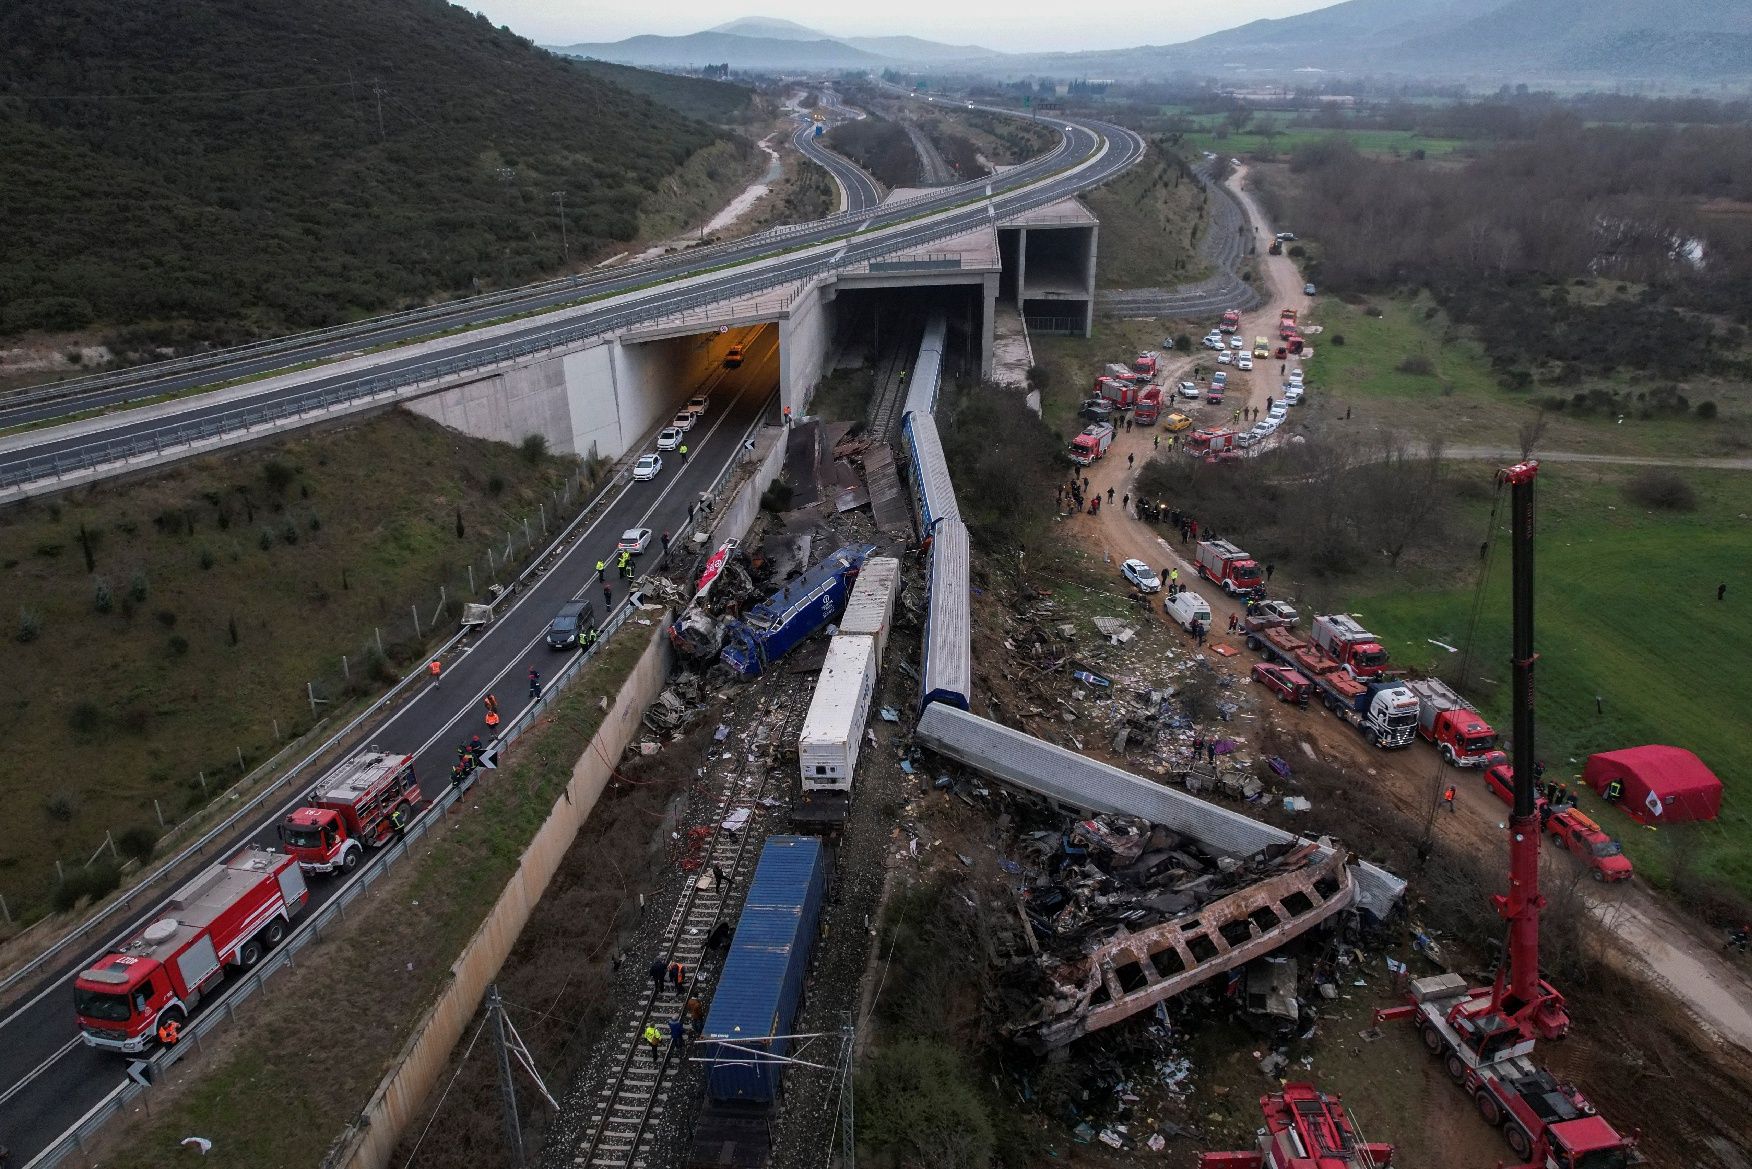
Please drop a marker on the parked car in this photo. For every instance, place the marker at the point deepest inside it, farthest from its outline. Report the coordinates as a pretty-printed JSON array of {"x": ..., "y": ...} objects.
[
  {"x": 1286, "y": 236},
  {"x": 696, "y": 405},
  {"x": 733, "y": 356},
  {"x": 668, "y": 438},
  {"x": 1096, "y": 410},
  {"x": 1288, "y": 684},
  {"x": 1189, "y": 391},
  {"x": 1266, "y": 427},
  {"x": 1277, "y": 412},
  {"x": 1293, "y": 396},
  {"x": 1235, "y": 342},
  {"x": 1224, "y": 358},
  {"x": 648, "y": 467},
  {"x": 1242, "y": 361},
  {"x": 1307, "y": 290},
  {"x": 634, "y": 540},
  {"x": 1177, "y": 421},
  {"x": 1141, "y": 575},
  {"x": 1295, "y": 376},
  {"x": 1246, "y": 439},
  {"x": 682, "y": 421},
  {"x": 569, "y": 623},
  {"x": 1186, "y": 607},
  {"x": 1214, "y": 341}
]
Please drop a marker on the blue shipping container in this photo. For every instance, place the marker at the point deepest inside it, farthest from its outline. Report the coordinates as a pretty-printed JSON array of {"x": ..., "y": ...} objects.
[{"x": 758, "y": 992}]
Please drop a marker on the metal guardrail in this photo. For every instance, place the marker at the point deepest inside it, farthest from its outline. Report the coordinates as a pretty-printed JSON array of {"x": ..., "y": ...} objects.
[
  {"x": 310, "y": 929},
  {"x": 923, "y": 264}
]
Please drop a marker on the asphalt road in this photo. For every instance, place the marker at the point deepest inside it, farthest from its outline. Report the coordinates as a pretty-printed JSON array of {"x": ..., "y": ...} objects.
[
  {"x": 48, "y": 1079},
  {"x": 131, "y": 385},
  {"x": 51, "y": 1079},
  {"x": 860, "y": 189}
]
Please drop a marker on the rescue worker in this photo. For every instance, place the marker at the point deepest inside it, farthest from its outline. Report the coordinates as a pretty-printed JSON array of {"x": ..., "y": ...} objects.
[
  {"x": 696, "y": 1015},
  {"x": 1110, "y": 495},
  {"x": 464, "y": 757},
  {"x": 169, "y": 1032},
  {"x": 1448, "y": 794},
  {"x": 677, "y": 1035},
  {"x": 534, "y": 683},
  {"x": 589, "y": 638},
  {"x": 684, "y": 452},
  {"x": 600, "y": 567},
  {"x": 458, "y": 774},
  {"x": 1173, "y": 581},
  {"x": 658, "y": 968},
  {"x": 398, "y": 820},
  {"x": 433, "y": 668},
  {"x": 607, "y": 594},
  {"x": 653, "y": 1039},
  {"x": 474, "y": 746},
  {"x": 678, "y": 976},
  {"x": 1614, "y": 791}
]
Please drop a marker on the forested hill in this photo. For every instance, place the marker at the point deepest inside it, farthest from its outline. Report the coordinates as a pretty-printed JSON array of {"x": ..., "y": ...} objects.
[{"x": 214, "y": 168}]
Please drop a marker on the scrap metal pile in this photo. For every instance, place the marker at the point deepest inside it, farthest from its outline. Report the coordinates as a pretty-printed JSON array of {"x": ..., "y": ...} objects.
[{"x": 1124, "y": 915}]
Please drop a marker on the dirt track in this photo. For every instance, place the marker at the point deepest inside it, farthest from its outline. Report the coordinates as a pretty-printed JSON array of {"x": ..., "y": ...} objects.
[{"x": 1660, "y": 944}]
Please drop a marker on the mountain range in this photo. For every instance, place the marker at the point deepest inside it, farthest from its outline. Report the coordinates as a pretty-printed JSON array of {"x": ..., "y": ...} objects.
[{"x": 1479, "y": 41}]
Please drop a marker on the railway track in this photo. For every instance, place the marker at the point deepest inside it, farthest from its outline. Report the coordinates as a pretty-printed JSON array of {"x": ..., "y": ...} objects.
[
  {"x": 629, "y": 1107},
  {"x": 889, "y": 396}
]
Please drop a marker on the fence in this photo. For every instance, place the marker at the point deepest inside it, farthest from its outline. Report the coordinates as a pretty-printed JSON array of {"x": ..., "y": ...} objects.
[{"x": 1056, "y": 326}]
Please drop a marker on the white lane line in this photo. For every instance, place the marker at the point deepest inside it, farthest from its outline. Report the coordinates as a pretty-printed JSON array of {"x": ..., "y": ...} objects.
[{"x": 24, "y": 1081}]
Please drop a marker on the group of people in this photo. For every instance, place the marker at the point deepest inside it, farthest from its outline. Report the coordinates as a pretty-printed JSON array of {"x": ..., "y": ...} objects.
[{"x": 666, "y": 977}]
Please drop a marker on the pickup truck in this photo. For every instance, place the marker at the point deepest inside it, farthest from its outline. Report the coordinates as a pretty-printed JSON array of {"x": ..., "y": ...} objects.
[{"x": 1571, "y": 828}]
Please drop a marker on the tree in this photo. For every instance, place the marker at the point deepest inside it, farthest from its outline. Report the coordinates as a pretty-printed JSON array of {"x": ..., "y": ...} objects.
[{"x": 1405, "y": 493}]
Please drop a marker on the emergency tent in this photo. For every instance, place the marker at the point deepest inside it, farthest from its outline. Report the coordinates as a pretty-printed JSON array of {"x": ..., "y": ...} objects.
[{"x": 1661, "y": 785}]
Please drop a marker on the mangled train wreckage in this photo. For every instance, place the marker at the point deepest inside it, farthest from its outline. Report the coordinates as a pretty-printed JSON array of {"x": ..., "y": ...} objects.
[{"x": 1174, "y": 891}]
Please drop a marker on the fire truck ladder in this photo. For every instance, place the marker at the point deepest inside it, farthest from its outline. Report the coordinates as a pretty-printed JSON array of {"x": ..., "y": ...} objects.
[{"x": 633, "y": 1099}]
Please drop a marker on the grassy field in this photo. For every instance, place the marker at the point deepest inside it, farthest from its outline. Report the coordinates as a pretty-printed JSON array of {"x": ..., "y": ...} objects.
[
  {"x": 1072, "y": 363},
  {"x": 1150, "y": 225},
  {"x": 1460, "y": 399},
  {"x": 231, "y": 581},
  {"x": 1627, "y": 616},
  {"x": 1390, "y": 142}
]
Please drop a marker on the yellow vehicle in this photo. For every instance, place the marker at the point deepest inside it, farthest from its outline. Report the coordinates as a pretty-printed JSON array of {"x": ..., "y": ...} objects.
[
  {"x": 1177, "y": 421},
  {"x": 1261, "y": 347}
]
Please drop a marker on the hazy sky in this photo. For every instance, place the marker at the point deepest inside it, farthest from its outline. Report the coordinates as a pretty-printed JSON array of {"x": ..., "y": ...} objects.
[{"x": 1037, "y": 25}]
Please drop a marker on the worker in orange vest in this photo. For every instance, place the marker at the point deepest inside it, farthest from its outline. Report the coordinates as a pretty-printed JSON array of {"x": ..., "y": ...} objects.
[
  {"x": 492, "y": 704},
  {"x": 169, "y": 1032},
  {"x": 433, "y": 668},
  {"x": 1448, "y": 797}
]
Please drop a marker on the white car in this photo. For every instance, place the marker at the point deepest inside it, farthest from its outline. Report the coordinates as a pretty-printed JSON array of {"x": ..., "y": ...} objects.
[
  {"x": 1278, "y": 411},
  {"x": 1225, "y": 357},
  {"x": 1212, "y": 342},
  {"x": 1242, "y": 361},
  {"x": 1296, "y": 376},
  {"x": 1246, "y": 439},
  {"x": 668, "y": 439},
  {"x": 1235, "y": 342},
  {"x": 647, "y": 467},
  {"x": 682, "y": 421},
  {"x": 1189, "y": 391},
  {"x": 696, "y": 406},
  {"x": 1141, "y": 575},
  {"x": 1264, "y": 429},
  {"x": 1293, "y": 396},
  {"x": 634, "y": 540}
]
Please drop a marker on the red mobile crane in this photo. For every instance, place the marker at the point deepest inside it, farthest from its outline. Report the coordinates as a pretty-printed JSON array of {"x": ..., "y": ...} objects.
[
  {"x": 1485, "y": 1035},
  {"x": 1304, "y": 1129}
]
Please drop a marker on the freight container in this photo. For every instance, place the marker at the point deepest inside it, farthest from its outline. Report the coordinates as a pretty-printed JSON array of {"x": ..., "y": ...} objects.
[
  {"x": 827, "y": 750},
  {"x": 748, "y": 1026},
  {"x": 870, "y": 611}
]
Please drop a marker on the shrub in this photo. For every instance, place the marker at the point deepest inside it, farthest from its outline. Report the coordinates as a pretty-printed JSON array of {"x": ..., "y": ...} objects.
[
  {"x": 265, "y": 541},
  {"x": 1706, "y": 410},
  {"x": 278, "y": 475},
  {"x": 103, "y": 598},
  {"x": 1662, "y": 491},
  {"x": 93, "y": 883},
  {"x": 1338, "y": 338},
  {"x": 179, "y": 645},
  {"x": 1039, "y": 377},
  {"x": 315, "y": 522},
  {"x": 166, "y": 618},
  {"x": 61, "y": 806},
  {"x": 207, "y": 560},
  {"x": 533, "y": 448},
  {"x": 1297, "y": 252},
  {"x": 138, "y": 842},
  {"x": 495, "y": 484},
  {"x": 1417, "y": 363},
  {"x": 30, "y": 625},
  {"x": 924, "y": 1108},
  {"x": 137, "y": 585},
  {"x": 289, "y": 532}
]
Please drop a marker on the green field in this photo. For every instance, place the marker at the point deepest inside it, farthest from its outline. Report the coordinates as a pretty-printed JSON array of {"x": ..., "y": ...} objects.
[
  {"x": 1209, "y": 134},
  {"x": 1461, "y": 400},
  {"x": 1626, "y": 613}
]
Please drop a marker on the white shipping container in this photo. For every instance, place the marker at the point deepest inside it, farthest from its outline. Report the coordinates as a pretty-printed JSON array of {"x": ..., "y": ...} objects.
[
  {"x": 827, "y": 750},
  {"x": 870, "y": 608}
]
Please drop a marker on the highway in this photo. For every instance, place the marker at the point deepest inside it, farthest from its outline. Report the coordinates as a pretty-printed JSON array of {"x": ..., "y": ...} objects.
[
  {"x": 48, "y": 1079},
  {"x": 859, "y": 189},
  {"x": 51, "y": 1079}
]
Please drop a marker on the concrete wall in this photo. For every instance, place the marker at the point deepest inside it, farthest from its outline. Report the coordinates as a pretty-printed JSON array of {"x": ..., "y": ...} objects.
[
  {"x": 805, "y": 338},
  {"x": 592, "y": 407},
  {"x": 651, "y": 382},
  {"x": 508, "y": 405},
  {"x": 404, "y": 1089}
]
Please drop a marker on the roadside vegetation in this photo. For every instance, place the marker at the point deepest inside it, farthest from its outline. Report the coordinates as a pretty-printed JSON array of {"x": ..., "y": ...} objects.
[
  {"x": 880, "y": 147},
  {"x": 1151, "y": 220},
  {"x": 272, "y": 1090},
  {"x": 722, "y": 103},
  {"x": 200, "y": 179},
  {"x": 162, "y": 628}
]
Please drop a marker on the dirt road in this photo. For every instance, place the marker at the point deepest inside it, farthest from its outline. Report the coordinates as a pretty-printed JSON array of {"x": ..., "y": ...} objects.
[{"x": 1664, "y": 946}]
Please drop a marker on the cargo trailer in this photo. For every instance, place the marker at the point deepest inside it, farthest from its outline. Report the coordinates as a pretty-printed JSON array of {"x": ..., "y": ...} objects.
[{"x": 870, "y": 609}]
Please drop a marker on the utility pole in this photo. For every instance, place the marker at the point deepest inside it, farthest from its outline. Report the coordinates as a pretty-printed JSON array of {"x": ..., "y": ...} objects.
[
  {"x": 565, "y": 246},
  {"x": 507, "y": 1087}
]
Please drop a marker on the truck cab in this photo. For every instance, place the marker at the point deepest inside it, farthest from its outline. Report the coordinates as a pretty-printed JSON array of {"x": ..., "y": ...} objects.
[
  {"x": 352, "y": 808},
  {"x": 1349, "y": 644},
  {"x": 1573, "y": 829}
]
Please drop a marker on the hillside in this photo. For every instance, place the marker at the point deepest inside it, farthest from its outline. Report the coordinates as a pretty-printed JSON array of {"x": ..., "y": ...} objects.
[
  {"x": 210, "y": 170},
  {"x": 741, "y": 52},
  {"x": 719, "y": 102}
]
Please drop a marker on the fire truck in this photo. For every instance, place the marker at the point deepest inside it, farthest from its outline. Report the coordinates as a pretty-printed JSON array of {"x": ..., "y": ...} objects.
[
  {"x": 229, "y": 915},
  {"x": 1222, "y": 563},
  {"x": 352, "y": 808},
  {"x": 1459, "y": 732},
  {"x": 1348, "y": 643}
]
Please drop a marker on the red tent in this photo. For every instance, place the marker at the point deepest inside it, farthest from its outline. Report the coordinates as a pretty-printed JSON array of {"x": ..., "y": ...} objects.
[{"x": 1662, "y": 785}]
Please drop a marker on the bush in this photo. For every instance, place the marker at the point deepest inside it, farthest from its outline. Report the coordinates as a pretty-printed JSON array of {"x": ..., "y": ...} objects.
[
  {"x": 207, "y": 560},
  {"x": 919, "y": 1104},
  {"x": 533, "y": 448},
  {"x": 1039, "y": 377},
  {"x": 103, "y": 599},
  {"x": 1338, "y": 338},
  {"x": 137, "y": 586},
  {"x": 1706, "y": 411},
  {"x": 495, "y": 484},
  {"x": 30, "y": 626},
  {"x": 1417, "y": 363},
  {"x": 289, "y": 533},
  {"x": 1662, "y": 491},
  {"x": 93, "y": 883},
  {"x": 138, "y": 842},
  {"x": 61, "y": 806},
  {"x": 278, "y": 475},
  {"x": 265, "y": 541},
  {"x": 179, "y": 645}
]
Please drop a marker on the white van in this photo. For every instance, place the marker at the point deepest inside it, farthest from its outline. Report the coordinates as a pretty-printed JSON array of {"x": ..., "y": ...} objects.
[{"x": 1185, "y": 607}]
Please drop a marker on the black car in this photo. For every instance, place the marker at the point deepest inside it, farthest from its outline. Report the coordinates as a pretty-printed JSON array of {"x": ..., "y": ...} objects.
[
  {"x": 570, "y": 623},
  {"x": 1096, "y": 410}
]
